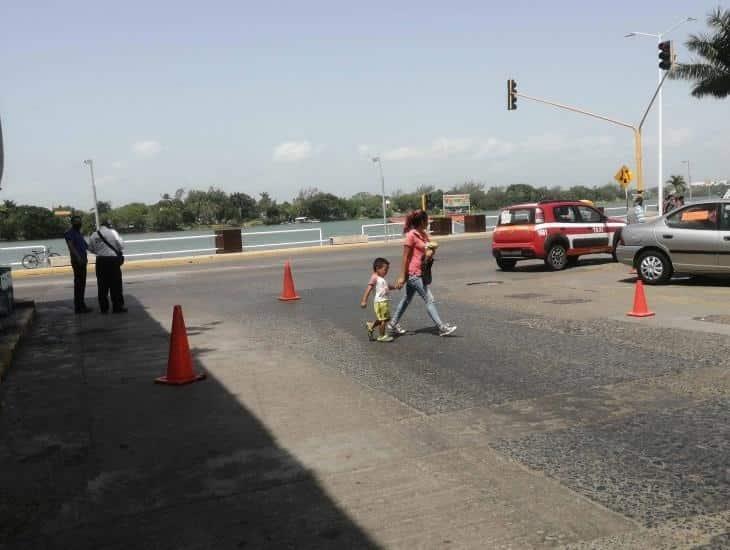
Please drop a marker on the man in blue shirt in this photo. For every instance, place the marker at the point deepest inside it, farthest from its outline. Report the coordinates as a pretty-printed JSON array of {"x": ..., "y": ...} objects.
[{"x": 77, "y": 247}]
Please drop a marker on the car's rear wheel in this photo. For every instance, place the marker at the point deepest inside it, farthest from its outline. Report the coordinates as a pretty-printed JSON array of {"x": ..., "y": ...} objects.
[
  {"x": 506, "y": 265},
  {"x": 654, "y": 267},
  {"x": 557, "y": 257}
]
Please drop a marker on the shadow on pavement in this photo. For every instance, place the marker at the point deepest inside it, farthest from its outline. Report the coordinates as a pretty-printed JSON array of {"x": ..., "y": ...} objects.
[
  {"x": 538, "y": 266},
  {"x": 688, "y": 281},
  {"x": 94, "y": 455}
]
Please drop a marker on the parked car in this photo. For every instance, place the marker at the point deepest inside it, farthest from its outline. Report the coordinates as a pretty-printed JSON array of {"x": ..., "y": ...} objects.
[
  {"x": 558, "y": 232},
  {"x": 694, "y": 239}
]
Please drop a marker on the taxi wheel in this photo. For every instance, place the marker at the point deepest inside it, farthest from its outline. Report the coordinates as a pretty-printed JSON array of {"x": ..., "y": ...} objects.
[
  {"x": 557, "y": 257},
  {"x": 653, "y": 267},
  {"x": 506, "y": 265}
]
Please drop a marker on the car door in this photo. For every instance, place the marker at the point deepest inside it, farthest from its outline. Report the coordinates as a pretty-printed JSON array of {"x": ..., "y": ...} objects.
[
  {"x": 594, "y": 235},
  {"x": 565, "y": 222},
  {"x": 691, "y": 235},
  {"x": 723, "y": 241}
]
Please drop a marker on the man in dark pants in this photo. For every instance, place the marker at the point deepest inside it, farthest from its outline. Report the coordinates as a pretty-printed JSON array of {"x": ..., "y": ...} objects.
[
  {"x": 108, "y": 246},
  {"x": 77, "y": 248}
]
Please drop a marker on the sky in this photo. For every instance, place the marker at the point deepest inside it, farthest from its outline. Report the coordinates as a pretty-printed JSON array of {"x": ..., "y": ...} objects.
[{"x": 254, "y": 96}]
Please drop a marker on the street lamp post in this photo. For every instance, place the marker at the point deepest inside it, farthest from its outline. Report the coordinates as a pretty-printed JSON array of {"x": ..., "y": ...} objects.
[
  {"x": 689, "y": 179},
  {"x": 660, "y": 177},
  {"x": 90, "y": 164},
  {"x": 382, "y": 189}
]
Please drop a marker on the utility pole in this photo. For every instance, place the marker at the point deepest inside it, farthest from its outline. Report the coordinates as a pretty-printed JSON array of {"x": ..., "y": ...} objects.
[
  {"x": 689, "y": 179},
  {"x": 382, "y": 190},
  {"x": 2, "y": 153},
  {"x": 90, "y": 164},
  {"x": 660, "y": 107}
]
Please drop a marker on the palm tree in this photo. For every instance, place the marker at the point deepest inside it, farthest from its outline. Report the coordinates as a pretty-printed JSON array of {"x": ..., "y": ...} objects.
[
  {"x": 711, "y": 76},
  {"x": 680, "y": 186}
]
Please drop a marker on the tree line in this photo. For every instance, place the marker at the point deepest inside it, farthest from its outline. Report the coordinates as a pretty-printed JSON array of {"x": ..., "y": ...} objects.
[{"x": 215, "y": 207}]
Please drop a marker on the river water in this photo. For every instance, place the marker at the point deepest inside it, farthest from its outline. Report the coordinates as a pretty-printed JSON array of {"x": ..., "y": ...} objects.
[{"x": 200, "y": 242}]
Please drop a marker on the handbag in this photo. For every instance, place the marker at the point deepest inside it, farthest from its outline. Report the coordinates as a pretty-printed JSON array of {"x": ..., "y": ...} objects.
[
  {"x": 119, "y": 254},
  {"x": 426, "y": 274}
]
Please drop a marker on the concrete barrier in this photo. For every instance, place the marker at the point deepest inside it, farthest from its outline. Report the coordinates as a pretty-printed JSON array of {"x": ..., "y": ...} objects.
[
  {"x": 65, "y": 261},
  {"x": 60, "y": 261},
  {"x": 349, "y": 239}
]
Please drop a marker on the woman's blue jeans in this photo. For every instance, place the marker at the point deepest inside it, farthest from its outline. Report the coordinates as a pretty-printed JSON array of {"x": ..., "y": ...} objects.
[{"x": 413, "y": 286}]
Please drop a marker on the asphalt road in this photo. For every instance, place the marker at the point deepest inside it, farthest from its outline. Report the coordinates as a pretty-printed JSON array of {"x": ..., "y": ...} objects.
[{"x": 633, "y": 418}]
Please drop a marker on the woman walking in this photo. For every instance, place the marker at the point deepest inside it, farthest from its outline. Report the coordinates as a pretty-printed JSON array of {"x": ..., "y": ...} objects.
[{"x": 411, "y": 275}]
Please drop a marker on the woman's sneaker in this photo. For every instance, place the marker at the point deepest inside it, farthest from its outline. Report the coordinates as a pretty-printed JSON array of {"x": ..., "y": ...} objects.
[
  {"x": 369, "y": 327},
  {"x": 386, "y": 338},
  {"x": 396, "y": 329},
  {"x": 446, "y": 329}
]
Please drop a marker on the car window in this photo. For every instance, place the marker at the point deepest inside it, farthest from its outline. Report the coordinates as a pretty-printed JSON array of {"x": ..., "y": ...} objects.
[
  {"x": 701, "y": 216},
  {"x": 588, "y": 215},
  {"x": 516, "y": 216},
  {"x": 565, "y": 214},
  {"x": 725, "y": 216}
]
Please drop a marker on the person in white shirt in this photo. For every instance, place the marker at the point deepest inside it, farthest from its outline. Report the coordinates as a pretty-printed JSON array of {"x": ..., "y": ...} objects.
[
  {"x": 381, "y": 300},
  {"x": 108, "y": 246},
  {"x": 637, "y": 215}
]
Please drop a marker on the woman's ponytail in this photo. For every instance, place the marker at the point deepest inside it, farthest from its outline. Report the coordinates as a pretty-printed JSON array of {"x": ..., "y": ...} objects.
[{"x": 415, "y": 219}]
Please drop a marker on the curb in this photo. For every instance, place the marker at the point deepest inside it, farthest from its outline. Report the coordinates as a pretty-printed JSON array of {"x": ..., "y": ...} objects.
[
  {"x": 13, "y": 333},
  {"x": 134, "y": 265}
]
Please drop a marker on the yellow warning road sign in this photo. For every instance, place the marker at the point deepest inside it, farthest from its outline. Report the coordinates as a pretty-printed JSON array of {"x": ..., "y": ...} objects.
[{"x": 624, "y": 176}]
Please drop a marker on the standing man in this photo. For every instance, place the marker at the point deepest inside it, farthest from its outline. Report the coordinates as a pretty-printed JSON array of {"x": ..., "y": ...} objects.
[
  {"x": 79, "y": 260},
  {"x": 108, "y": 246},
  {"x": 637, "y": 215}
]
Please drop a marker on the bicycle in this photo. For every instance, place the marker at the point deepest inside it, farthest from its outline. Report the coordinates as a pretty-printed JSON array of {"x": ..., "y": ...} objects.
[{"x": 36, "y": 257}]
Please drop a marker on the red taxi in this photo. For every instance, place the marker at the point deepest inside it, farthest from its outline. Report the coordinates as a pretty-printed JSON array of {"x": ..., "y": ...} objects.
[{"x": 555, "y": 231}]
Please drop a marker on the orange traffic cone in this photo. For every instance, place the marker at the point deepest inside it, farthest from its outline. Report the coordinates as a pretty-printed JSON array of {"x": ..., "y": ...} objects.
[
  {"x": 640, "y": 308},
  {"x": 288, "y": 293},
  {"x": 180, "y": 362}
]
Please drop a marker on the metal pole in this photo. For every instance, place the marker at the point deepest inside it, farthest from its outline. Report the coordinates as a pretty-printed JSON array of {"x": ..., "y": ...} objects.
[
  {"x": 576, "y": 110},
  {"x": 382, "y": 189},
  {"x": 636, "y": 130},
  {"x": 90, "y": 164},
  {"x": 660, "y": 176},
  {"x": 689, "y": 179},
  {"x": 639, "y": 160}
]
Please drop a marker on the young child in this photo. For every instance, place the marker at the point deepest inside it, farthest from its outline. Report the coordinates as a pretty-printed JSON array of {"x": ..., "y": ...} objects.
[{"x": 381, "y": 300}]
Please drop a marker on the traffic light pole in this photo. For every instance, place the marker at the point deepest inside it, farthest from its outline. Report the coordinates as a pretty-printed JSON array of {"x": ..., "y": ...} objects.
[{"x": 634, "y": 129}]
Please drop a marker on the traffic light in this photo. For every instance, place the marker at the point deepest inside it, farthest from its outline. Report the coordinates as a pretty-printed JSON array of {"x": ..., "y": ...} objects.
[
  {"x": 666, "y": 55},
  {"x": 511, "y": 95}
]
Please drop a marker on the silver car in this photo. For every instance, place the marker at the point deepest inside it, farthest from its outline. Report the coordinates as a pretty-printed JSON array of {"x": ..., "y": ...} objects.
[{"x": 692, "y": 240}]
